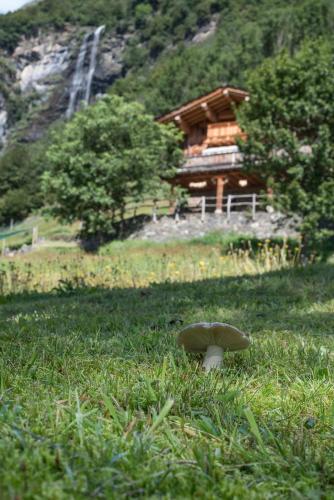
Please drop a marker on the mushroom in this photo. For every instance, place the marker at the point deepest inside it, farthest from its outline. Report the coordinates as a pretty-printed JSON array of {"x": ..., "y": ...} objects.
[{"x": 213, "y": 339}]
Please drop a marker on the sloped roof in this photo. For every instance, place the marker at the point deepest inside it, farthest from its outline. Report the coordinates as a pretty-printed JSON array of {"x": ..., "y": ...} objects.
[{"x": 196, "y": 110}]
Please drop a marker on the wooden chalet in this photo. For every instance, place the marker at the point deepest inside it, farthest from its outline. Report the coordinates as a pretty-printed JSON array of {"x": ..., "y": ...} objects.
[{"x": 213, "y": 163}]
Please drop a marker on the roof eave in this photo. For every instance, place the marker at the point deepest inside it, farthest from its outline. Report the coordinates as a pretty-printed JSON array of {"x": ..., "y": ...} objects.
[{"x": 171, "y": 115}]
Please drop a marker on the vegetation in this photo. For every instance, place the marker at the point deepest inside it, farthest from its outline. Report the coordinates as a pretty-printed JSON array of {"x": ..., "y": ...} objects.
[
  {"x": 246, "y": 33},
  {"x": 153, "y": 19},
  {"x": 290, "y": 128},
  {"x": 97, "y": 400},
  {"x": 160, "y": 54},
  {"x": 107, "y": 154},
  {"x": 20, "y": 189},
  {"x": 16, "y": 106},
  {"x": 51, "y": 230}
]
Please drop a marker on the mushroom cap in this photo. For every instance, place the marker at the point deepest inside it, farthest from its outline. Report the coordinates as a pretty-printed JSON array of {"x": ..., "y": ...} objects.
[{"x": 198, "y": 336}]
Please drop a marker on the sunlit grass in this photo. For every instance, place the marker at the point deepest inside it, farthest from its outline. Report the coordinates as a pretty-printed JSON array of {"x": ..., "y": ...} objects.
[{"x": 141, "y": 264}]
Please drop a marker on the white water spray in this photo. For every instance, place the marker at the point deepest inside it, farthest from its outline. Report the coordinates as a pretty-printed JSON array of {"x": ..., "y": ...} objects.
[
  {"x": 92, "y": 63},
  {"x": 82, "y": 81}
]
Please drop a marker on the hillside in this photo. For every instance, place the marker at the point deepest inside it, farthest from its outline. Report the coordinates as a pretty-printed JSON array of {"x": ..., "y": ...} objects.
[
  {"x": 161, "y": 52},
  {"x": 56, "y": 53}
]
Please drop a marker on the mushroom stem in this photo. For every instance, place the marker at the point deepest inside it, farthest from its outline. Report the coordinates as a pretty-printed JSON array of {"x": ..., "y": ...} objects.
[{"x": 213, "y": 357}]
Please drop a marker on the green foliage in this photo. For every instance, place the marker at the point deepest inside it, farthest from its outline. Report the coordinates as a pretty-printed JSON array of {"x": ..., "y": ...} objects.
[
  {"x": 290, "y": 125},
  {"x": 150, "y": 18},
  {"x": 20, "y": 191},
  {"x": 247, "y": 33},
  {"x": 234, "y": 242},
  {"x": 16, "y": 106},
  {"x": 106, "y": 155}
]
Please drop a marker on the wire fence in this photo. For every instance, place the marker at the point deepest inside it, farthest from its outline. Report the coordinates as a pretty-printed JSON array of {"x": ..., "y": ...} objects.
[{"x": 6, "y": 235}]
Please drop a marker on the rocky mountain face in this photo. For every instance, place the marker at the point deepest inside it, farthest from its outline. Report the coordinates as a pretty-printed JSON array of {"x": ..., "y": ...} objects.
[{"x": 53, "y": 74}]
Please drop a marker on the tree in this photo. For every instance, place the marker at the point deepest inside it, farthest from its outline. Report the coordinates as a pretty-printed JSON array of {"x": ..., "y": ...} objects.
[
  {"x": 108, "y": 154},
  {"x": 20, "y": 169},
  {"x": 289, "y": 121}
]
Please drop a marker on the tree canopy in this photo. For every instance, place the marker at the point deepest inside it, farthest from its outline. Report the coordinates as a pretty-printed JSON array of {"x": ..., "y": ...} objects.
[
  {"x": 290, "y": 125},
  {"x": 20, "y": 190},
  {"x": 108, "y": 154}
]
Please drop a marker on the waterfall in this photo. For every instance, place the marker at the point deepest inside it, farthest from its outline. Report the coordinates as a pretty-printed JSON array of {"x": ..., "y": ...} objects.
[
  {"x": 82, "y": 81},
  {"x": 78, "y": 77},
  {"x": 92, "y": 63},
  {"x": 3, "y": 127}
]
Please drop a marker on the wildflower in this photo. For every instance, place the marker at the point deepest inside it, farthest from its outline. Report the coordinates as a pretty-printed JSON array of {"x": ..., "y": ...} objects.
[{"x": 202, "y": 263}]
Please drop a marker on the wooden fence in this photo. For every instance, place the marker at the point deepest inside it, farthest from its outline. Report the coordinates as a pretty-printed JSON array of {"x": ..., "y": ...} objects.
[
  {"x": 202, "y": 205},
  {"x": 232, "y": 202}
]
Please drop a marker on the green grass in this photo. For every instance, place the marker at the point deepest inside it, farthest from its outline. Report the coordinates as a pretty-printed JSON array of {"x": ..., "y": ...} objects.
[
  {"x": 97, "y": 400},
  {"x": 48, "y": 228}
]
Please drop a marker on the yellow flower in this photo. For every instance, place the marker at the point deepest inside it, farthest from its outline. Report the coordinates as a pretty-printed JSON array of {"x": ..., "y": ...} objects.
[{"x": 202, "y": 263}]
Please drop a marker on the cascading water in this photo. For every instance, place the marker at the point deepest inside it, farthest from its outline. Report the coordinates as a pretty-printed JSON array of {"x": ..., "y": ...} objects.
[
  {"x": 78, "y": 81},
  {"x": 82, "y": 81},
  {"x": 3, "y": 127},
  {"x": 92, "y": 63}
]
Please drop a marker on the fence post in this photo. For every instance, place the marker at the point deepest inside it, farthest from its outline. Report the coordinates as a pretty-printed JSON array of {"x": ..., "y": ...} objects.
[
  {"x": 3, "y": 251},
  {"x": 253, "y": 206},
  {"x": 154, "y": 212},
  {"x": 11, "y": 224},
  {"x": 203, "y": 207},
  {"x": 34, "y": 239},
  {"x": 177, "y": 211},
  {"x": 229, "y": 203}
]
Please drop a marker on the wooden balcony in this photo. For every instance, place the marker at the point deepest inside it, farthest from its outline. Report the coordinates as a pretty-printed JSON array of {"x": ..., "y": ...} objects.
[
  {"x": 207, "y": 162},
  {"x": 223, "y": 134}
]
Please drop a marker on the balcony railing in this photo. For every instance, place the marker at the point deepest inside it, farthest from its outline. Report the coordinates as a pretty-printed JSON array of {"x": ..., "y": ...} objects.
[{"x": 206, "y": 161}]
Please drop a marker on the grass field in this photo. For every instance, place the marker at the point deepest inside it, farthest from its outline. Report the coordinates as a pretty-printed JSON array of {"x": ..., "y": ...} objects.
[{"x": 97, "y": 400}]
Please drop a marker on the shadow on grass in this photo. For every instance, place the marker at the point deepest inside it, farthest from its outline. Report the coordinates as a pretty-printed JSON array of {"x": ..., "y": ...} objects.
[{"x": 287, "y": 300}]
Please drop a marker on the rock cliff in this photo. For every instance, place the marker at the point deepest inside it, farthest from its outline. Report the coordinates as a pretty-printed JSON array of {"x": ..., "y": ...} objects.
[{"x": 52, "y": 74}]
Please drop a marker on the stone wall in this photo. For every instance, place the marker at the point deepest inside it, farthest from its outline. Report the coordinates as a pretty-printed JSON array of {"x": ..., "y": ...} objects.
[{"x": 265, "y": 225}]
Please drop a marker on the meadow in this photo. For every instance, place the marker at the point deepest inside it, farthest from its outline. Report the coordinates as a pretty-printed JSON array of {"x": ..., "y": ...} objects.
[{"x": 97, "y": 400}]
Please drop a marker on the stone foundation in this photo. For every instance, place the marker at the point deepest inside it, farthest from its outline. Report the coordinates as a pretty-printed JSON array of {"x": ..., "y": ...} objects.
[{"x": 265, "y": 225}]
